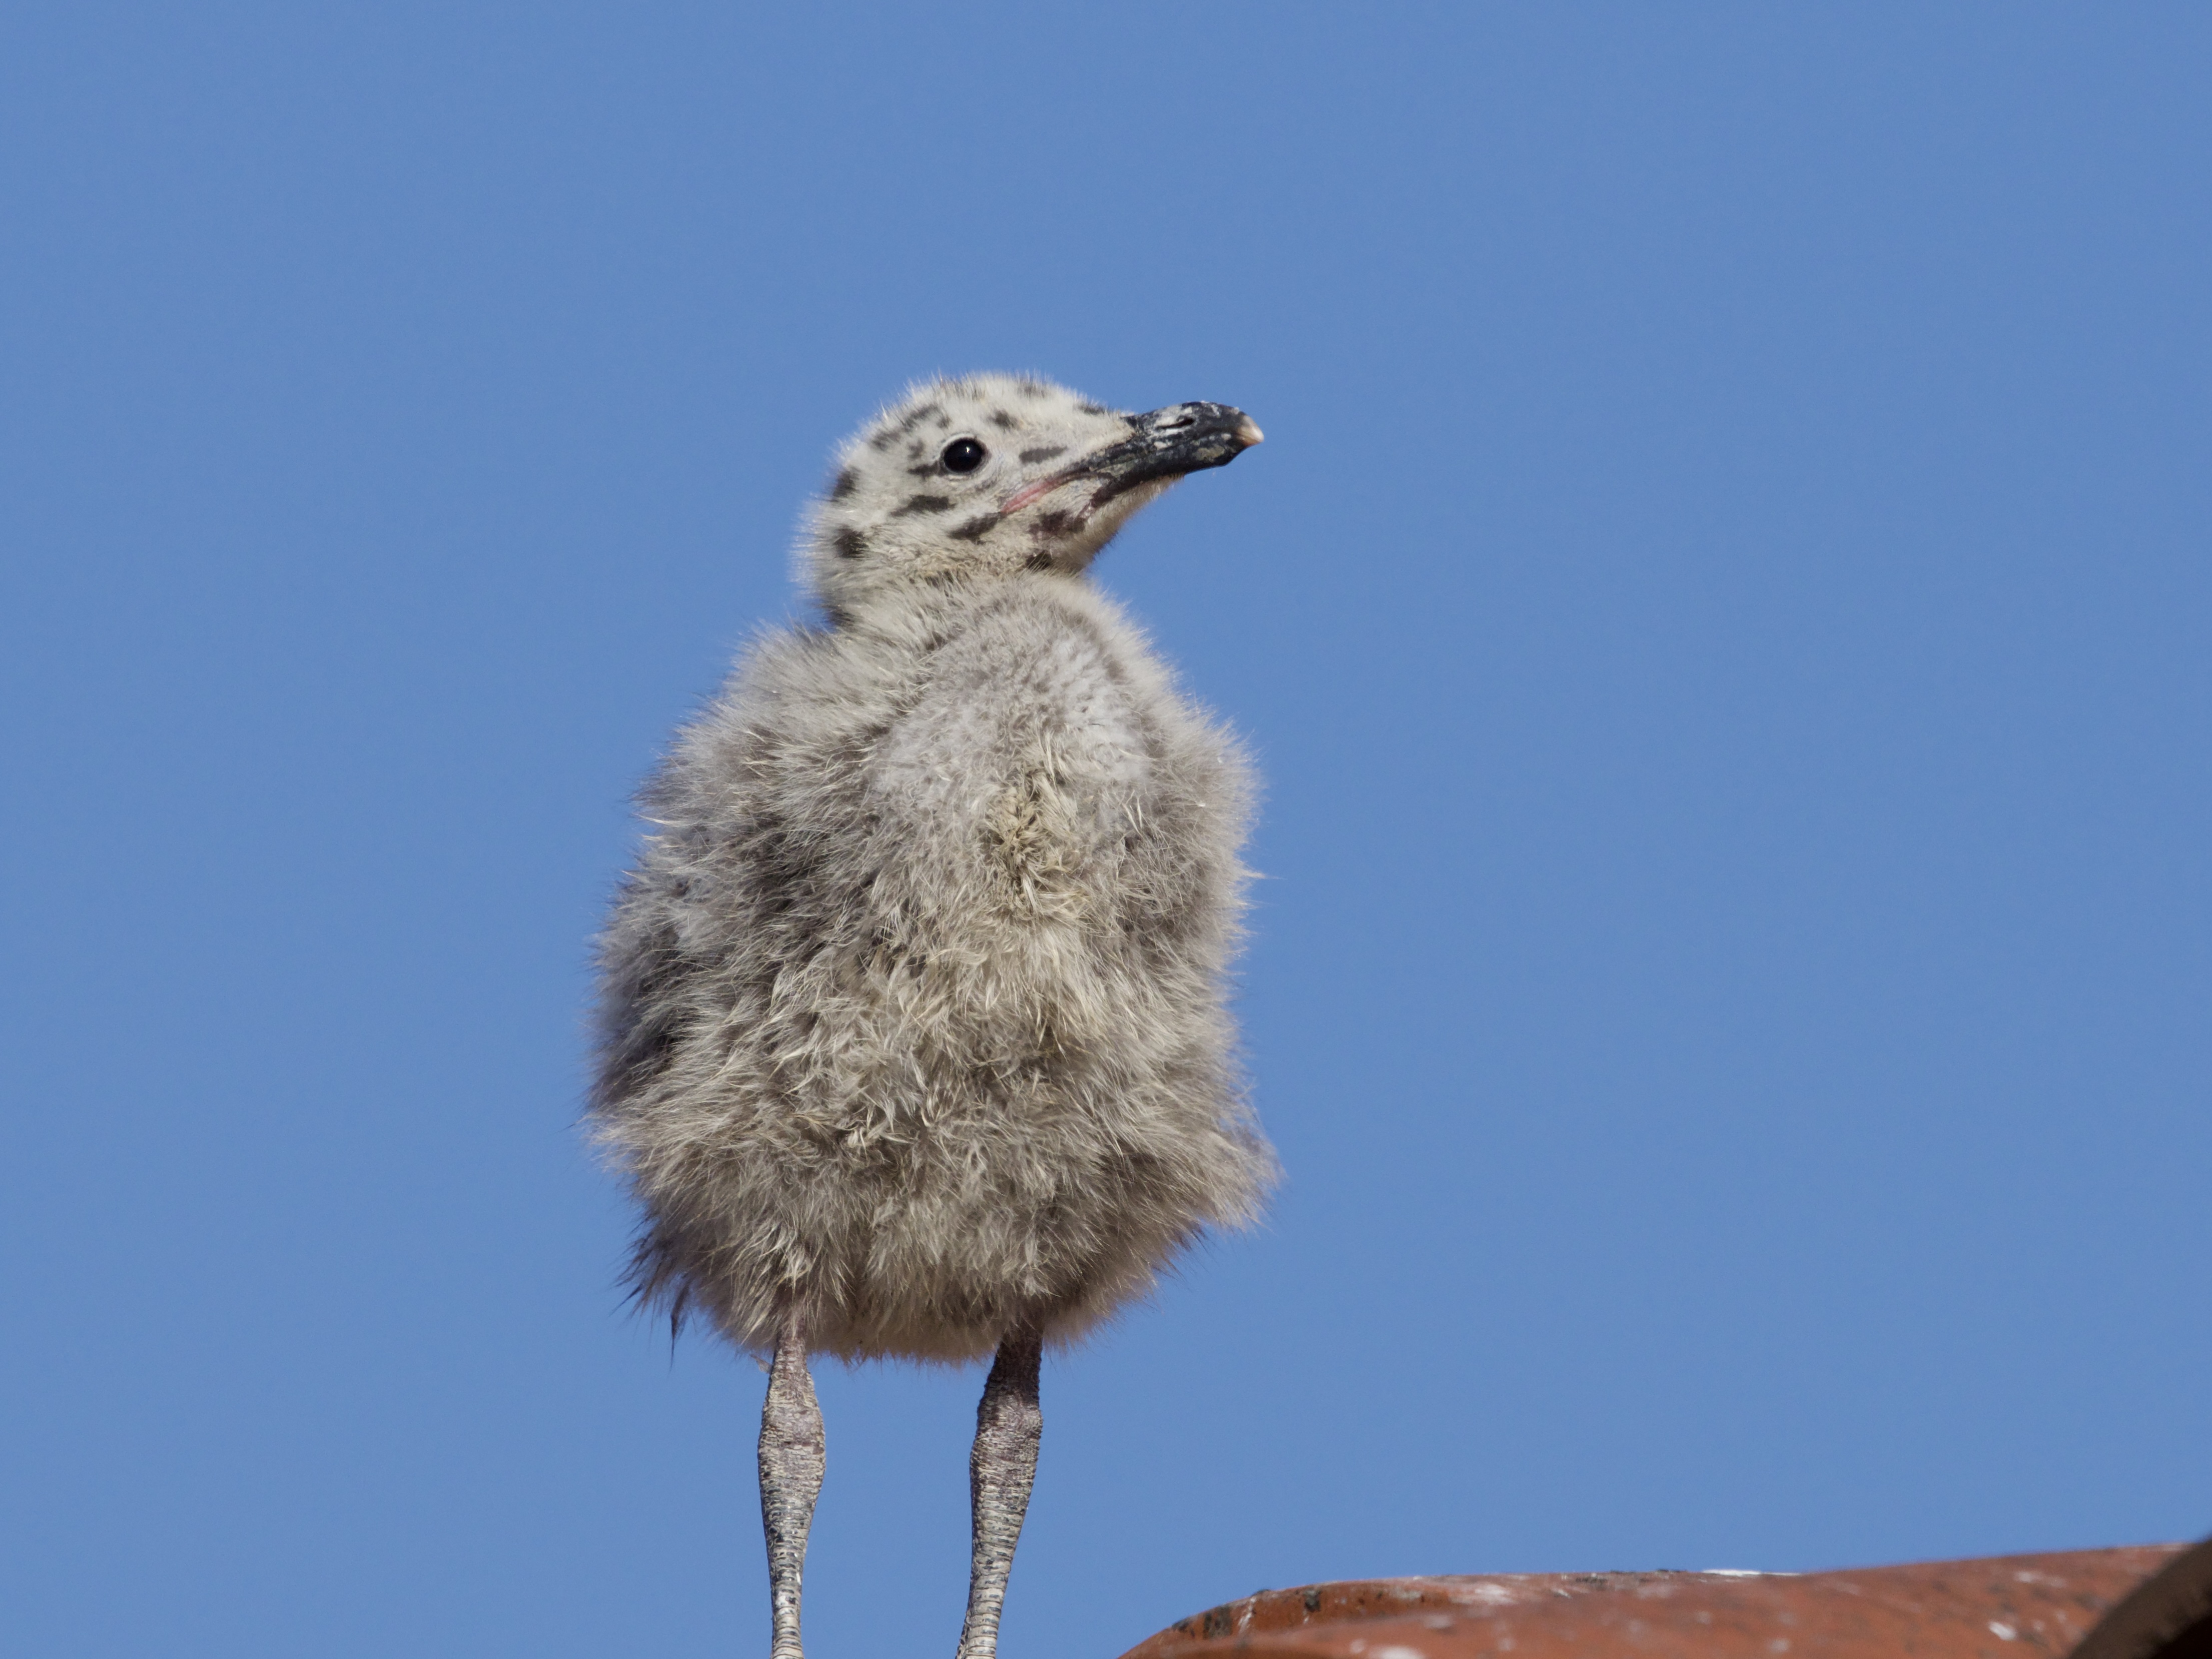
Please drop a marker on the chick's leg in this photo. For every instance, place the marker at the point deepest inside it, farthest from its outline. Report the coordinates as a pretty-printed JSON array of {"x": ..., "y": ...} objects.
[
  {"x": 1008, "y": 1425},
  {"x": 791, "y": 1458}
]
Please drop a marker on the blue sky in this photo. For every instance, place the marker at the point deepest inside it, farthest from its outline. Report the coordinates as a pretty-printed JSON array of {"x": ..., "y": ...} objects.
[{"x": 1723, "y": 611}]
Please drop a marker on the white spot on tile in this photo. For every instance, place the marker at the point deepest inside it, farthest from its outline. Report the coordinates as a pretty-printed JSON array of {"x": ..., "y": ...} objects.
[{"x": 1492, "y": 1595}]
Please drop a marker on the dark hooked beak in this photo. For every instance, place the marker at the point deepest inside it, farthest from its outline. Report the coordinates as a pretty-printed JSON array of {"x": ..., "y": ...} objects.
[
  {"x": 1164, "y": 444},
  {"x": 1170, "y": 442}
]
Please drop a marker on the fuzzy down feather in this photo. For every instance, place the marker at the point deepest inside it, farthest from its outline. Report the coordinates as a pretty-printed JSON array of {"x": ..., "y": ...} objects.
[{"x": 913, "y": 1012}]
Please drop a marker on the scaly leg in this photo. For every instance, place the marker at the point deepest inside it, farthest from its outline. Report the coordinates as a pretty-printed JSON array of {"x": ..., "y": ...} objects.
[
  {"x": 1008, "y": 1425},
  {"x": 792, "y": 1457}
]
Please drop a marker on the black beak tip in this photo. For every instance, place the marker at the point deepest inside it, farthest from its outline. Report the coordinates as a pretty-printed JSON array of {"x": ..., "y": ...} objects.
[{"x": 1224, "y": 423}]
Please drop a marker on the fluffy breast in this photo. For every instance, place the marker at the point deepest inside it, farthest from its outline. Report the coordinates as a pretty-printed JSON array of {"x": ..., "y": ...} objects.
[{"x": 1019, "y": 775}]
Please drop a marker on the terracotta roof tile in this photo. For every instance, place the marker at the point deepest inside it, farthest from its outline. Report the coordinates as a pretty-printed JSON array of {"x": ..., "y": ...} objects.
[{"x": 2013, "y": 1607}]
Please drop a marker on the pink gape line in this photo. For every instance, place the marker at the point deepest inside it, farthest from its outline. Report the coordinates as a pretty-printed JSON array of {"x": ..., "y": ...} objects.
[{"x": 1028, "y": 493}]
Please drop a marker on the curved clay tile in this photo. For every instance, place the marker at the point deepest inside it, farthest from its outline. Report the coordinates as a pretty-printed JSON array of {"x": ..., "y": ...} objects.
[
  {"x": 2010, "y": 1607},
  {"x": 2168, "y": 1616}
]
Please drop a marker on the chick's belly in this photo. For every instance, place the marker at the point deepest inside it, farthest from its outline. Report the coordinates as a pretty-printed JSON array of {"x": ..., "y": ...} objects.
[
  {"x": 996, "y": 1025},
  {"x": 1023, "y": 1217}
]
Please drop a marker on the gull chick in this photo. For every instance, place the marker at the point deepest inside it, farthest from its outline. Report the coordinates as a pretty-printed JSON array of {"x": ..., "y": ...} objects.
[{"x": 914, "y": 1028}]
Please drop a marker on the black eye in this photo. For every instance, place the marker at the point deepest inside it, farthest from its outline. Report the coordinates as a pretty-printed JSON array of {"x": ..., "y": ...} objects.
[{"x": 963, "y": 455}]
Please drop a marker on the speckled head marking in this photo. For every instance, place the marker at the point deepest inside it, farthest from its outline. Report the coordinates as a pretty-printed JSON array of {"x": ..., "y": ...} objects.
[{"x": 997, "y": 476}]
